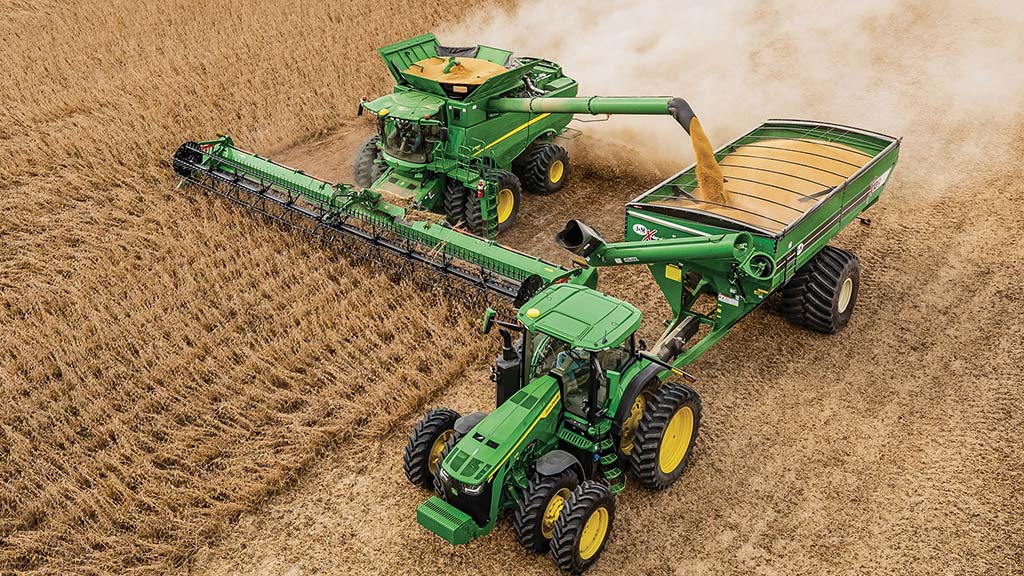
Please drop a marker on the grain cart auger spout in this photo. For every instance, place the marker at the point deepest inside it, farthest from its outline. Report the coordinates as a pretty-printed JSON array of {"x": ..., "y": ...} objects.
[
  {"x": 362, "y": 222},
  {"x": 581, "y": 401}
]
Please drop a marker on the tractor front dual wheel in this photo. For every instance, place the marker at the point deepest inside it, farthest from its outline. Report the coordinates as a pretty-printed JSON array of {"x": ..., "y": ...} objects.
[
  {"x": 583, "y": 527},
  {"x": 426, "y": 443},
  {"x": 506, "y": 206},
  {"x": 666, "y": 435},
  {"x": 543, "y": 168},
  {"x": 540, "y": 507},
  {"x": 822, "y": 294}
]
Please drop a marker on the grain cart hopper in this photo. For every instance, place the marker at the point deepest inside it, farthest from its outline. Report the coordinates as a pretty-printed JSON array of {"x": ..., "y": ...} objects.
[
  {"x": 467, "y": 129},
  {"x": 579, "y": 399}
]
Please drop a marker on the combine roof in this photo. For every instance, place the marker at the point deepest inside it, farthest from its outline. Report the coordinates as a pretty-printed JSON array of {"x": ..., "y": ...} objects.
[{"x": 581, "y": 316}]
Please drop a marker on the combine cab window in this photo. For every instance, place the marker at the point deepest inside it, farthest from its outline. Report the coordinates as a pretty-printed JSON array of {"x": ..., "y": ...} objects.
[{"x": 409, "y": 141}]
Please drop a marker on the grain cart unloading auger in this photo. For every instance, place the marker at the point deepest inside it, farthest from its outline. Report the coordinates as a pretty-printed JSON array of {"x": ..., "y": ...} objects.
[
  {"x": 466, "y": 130},
  {"x": 579, "y": 401}
]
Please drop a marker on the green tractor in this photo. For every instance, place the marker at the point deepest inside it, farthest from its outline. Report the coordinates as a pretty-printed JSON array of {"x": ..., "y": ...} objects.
[{"x": 467, "y": 130}]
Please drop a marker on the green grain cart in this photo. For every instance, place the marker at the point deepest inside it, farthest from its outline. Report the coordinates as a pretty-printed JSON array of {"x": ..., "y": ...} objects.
[{"x": 466, "y": 130}]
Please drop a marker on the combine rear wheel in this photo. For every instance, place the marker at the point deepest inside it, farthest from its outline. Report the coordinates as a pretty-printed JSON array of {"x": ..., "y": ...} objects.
[
  {"x": 583, "y": 527},
  {"x": 822, "y": 294},
  {"x": 506, "y": 205},
  {"x": 666, "y": 435},
  {"x": 368, "y": 165},
  {"x": 543, "y": 168},
  {"x": 541, "y": 506},
  {"x": 426, "y": 442}
]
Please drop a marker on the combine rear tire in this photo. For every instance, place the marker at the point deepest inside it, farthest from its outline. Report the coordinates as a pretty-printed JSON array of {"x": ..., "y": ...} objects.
[
  {"x": 540, "y": 508},
  {"x": 368, "y": 165},
  {"x": 822, "y": 294},
  {"x": 543, "y": 168},
  {"x": 666, "y": 435},
  {"x": 507, "y": 208},
  {"x": 583, "y": 527},
  {"x": 426, "y": 441},
  {"x": 455, "y": 195}
]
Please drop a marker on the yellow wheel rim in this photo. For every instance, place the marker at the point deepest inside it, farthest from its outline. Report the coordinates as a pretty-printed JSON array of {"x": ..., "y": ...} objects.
[
  {"x": 676, "y": 440},
  {"x": 556, "y": 172},
  {"x": 845, "y": 292},
  {"x": 554, "y": 508},
  {"x": 594, "y": 532},
  {"x": 506, "y": 202},
  {"x": 435, "y": 451},
  {"x": 631, "y": 423}
]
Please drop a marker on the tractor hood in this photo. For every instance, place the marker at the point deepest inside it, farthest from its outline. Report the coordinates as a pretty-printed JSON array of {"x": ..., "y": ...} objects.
[
  {"x": 415, "y": 106},
  {"x": 581, "y": 316}
]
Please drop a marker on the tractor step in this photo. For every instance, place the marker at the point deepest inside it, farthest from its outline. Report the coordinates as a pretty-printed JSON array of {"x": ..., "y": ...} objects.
[{"x": 609, "y": 459}]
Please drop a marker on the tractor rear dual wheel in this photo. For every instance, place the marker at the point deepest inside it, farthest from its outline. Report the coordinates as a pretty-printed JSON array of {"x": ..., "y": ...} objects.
[
  {"x": 822, "y": 294},
  {"x": 426, "y": 443},
  {"x": 368, "y": 164},
  {"x": 666, "y": 435},
  {"x": 583, "y": 527},
  {"x": 543, "y": 168},
  {"x": 507, "y": 203}
]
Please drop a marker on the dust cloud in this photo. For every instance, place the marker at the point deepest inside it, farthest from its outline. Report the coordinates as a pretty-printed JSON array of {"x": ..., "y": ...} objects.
[{"x": 892, "y": 68}]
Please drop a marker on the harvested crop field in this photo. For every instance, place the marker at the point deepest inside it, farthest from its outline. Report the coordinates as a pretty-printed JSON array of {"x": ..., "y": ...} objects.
[{"x": 191, "y": 390}]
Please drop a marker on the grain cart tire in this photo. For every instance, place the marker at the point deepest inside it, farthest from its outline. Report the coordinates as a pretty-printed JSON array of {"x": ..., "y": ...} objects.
[
  {"x": 449, "y": 443},
  {"x": 539, "y": 509},
  {"x": 583, "y": 527},
  {"x": 508, "y": 200},
  {"x": 455, "y": 196},
  {"x": 543, "y": 168},
  {"x": 666, "y": 435},
  {"x": 368, "y": 165},
  {"x": 822, "y": 294},
  {"x": 426, "y": 441}
]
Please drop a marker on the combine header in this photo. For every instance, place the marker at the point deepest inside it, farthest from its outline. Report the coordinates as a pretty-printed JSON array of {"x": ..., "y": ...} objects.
[{"x": 580, "y": 402}]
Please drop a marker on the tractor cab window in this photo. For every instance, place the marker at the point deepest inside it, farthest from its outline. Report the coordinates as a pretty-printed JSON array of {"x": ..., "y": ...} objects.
[
  {"x": 575, "y": 369},
  {"x": 407, "y": 140}
]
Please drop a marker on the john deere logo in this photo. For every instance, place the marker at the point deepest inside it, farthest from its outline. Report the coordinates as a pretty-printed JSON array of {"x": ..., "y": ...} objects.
[{"x": 645, "y": 233}]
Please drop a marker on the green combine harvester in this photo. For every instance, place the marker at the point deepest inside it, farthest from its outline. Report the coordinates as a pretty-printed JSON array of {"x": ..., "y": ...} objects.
[
  {"x": 467, "y": 130},
  {"x": 581, "y": 402}
]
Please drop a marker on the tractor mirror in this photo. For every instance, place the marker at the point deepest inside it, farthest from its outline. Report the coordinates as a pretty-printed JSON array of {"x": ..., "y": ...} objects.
[{"x": 488, "y": 322}]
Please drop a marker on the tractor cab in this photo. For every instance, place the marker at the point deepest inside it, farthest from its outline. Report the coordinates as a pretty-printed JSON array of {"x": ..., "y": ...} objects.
[
  {"x": 583, "y": 339},
  {"x": 408, "y": 124}
]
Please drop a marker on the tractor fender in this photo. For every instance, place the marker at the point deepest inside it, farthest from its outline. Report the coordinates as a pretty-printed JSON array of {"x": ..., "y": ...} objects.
[
  {"x": 466, "y": 423},
  {"x": 646, "y": 379},
  {"x": 556, "y": 461}
]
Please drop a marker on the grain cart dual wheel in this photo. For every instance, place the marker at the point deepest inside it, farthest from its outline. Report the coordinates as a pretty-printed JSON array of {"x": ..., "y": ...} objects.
[
  {"x": 368, "y": 164},
  {"x": 426, "y": 444},
  {"x": 543, "y": 168},
  {"x": 823, "y": 292}
]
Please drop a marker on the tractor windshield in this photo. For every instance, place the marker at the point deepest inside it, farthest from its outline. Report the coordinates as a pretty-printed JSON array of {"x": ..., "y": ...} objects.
[
  {"x": 580, "y": 371},
  {"x": 407, "y": 140}
]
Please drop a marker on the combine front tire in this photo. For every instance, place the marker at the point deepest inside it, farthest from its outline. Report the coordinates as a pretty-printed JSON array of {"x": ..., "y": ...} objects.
[
  {"x": 506, "y": 205},
  {"x": 666, "y": 435},
  {"x": 455, "y": 197},
  {"x": 368, "y": 165},
  {"x": 426, "y": 442},
  {"x": 541, "y": 506},
  {"x": 583, "y": 527},
  {"x": 544, "y": 168},
  {"x": 823, "y": 292}
]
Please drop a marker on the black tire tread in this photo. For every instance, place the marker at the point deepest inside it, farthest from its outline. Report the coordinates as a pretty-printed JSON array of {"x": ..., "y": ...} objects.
[
  {"x": 585, "y": 498},
  {"x": 474, "y": 216},
  {"x": 532, "y": 506},
  {"x": 455, "y": 199},
  {"x": 808, "y": 298},
  {"x": 366, "y": 168},
  {"x": 534, "y": 164},
  {"x": 663, "y": 403},
  {"x": 417, "y": 450}
]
